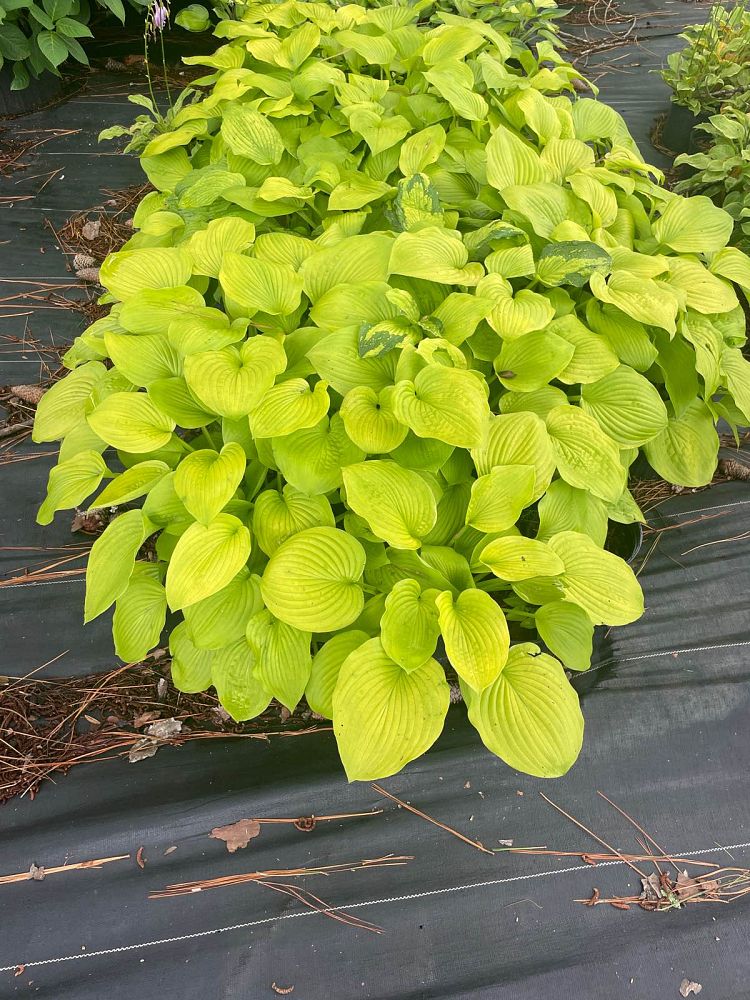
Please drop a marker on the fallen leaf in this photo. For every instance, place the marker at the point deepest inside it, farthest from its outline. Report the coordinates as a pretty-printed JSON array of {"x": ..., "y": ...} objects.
[
  {"x": 19, "y": 970},
  {"x": 651, "y": 887},
  {"x": 687, "y": 888},
  {"x": 37, "y": 872},
  {"x": 164, "y": 729},
  {"x": 237, "y": 834},
  {"x": 91, "y": 230},
  {"x": 144, "y": 718},
  {"x": 687, "y": 986},
  {"x": 505, "y": 843},
  {"x": 283, "y": 990},
  {"x": 139, "y": 858},
  {"x": 143, "y": 749},
  {"x": 594, "y": 898}
]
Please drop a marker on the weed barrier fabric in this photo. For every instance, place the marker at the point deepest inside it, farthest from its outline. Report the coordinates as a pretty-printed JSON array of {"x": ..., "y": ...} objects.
[{"x": 667, "y": 708}]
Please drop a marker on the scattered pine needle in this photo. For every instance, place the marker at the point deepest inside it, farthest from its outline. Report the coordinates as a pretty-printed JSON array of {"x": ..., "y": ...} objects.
[
  {"x": 423, "y": 815},
  {"x": 60, "y": 869}
]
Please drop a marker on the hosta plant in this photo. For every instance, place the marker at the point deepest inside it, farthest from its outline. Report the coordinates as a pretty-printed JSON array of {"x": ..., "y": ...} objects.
[{"x": 394, "y": 324}]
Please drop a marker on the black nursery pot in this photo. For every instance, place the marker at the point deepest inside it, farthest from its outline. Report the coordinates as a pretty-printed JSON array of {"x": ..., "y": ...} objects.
[
  {"x": 38, "y": 93},
  {"x": 677, "y": 134},
  {"x": 624, "y": 540}
]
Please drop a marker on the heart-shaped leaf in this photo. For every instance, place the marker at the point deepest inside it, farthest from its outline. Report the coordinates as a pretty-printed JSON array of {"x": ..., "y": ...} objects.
[
  {"x": 205, "y": 559},
  {"x": 475, "y": 634}
]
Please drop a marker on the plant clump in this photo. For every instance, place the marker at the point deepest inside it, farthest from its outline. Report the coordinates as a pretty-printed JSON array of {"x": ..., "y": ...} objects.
[{"x": 393, "y": 327}]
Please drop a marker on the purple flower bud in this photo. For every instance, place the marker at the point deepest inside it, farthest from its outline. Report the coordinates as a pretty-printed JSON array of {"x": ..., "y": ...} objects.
[{"x": 159, "y": 16}]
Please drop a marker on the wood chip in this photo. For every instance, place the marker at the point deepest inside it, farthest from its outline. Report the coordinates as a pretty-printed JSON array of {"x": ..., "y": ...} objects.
[{"x": 237, "y": 835}]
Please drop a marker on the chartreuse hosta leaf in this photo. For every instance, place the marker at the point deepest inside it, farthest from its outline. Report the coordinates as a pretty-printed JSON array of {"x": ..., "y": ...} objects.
[
  {"x": 687, "y": 449},
  {"x": 312, "y": 459},
  {"x": 62, "y": 408},
  {"x": 205, "y": 559},
  {"x": 370, "y": 421},
  {"x": 259, "y": 286},
  {"x": 514, "y": 314},
  {"x": 600, "y": 582},
  {"x": 530, "y": 716},
  {"x": 626, "y": 406},
  {"x": 449, "y": 404},
  {"x": 498, "y": 498},
  {"x": 516, "y": 558},
  {"x": 436, "y": 254},
  {"x": 232, "y": 381},
  {"x": 568, "y": 632},
  {"x": 191, "y": 666},
  {"x": 208, "y": 246},
  {"x": 130, "y": 421},
  {"x": 249, "y": 133},
  {"x": 586, "y": 457},
  {"x": 475, "y": 634},
  {"x": 128, "y": 272},
  {"x": 71, "y": 482},
  {"x": 151, "y": 310},
  {"x": 207, "y": 480},
  {"x": 278, "y": 516},
  {"x": 566, "y": 508},
  {"x": 134, "y": 482},
  {"x": 140, "y": 613},
  {"x": 693, "y": 225},
  {"x": 385, "y": 716},
  {"x": 142, "y": 359},
  {"x": 222, "y": 618},
  {"x": 531, "y": 361},
  {"x": 282, "y": 657},
  {"x": 312, "y": 580},
  {"x": 397, "y": 503},
  {"x": 288, "y": 407},
  {"x": 409, "y": 628},
  {"x": 235, "y": 675},
  {"x": 517, "y": 439},
  {"x": 112, "y": 559},
  {"x": 326, "y": 666}
]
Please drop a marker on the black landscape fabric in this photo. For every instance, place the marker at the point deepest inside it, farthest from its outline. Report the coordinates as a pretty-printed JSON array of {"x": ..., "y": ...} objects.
[{"x": 667, "y": 708}]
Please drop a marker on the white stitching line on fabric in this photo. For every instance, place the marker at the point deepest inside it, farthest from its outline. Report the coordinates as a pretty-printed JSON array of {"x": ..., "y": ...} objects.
[
  {"x": 350, "y": 906},
  {"x": 702, "y": 510},
  {"x": 666, "y": 652},
  {"x": 42, "y": 583}
]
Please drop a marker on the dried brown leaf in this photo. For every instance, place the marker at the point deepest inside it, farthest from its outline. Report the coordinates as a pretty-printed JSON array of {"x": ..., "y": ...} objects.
[
  {"x": 164, "y": 729},
  {"x": 139, "y": 858},
  {"x": 37, "y": 872},
  {"x": 651, "y": 887},
  {"x": 283, "y": 990},
  {"x": 237, "y": 834},
  {"x": 143, "y": 749},
  {"x": 687, "y": 986},
  {"x": 90, "y": 230},
  {"x": 144, "y": 718}
]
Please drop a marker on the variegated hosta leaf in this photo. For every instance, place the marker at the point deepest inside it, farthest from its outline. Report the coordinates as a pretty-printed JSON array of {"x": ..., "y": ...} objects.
[
  {"x": 383, "y": 715},
  {"x": 278, "y": 516},
  {"x": 530, "y": 716},
  {"x": 326, "y": 666},
  {"x": 222, "y": 618},
  {"x": 409, "y": 628},
  {"x": 475, "y": 634},
  {"x": 567, "y": 630},
  {"x": 140, "y": 614},
  {"x": 288, "y": 407},
  {"x": 449, "y": 404},
  {"x": 498, "y": 497},
  {"x": 600, "y": 582},
  {"x": 586, "y": 457},
  {"x": 205, "y": 559},
  {"x": 282, "y": 657},
  {"x": 397, "y": 503},
  {"x": 312, "y": 580},
  {"x": 514, "y": 558},
  {"x": 571, "y": 263},
  {"x": 232, "y": 382},
  {"x": 370, "y": 420},
  {"x": 207, "y": 480}
]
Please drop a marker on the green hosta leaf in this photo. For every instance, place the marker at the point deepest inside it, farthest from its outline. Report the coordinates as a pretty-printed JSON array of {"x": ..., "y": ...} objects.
[
  {"x": 498, "y": 497},
  {"x": 278, "y": 516},
  {"x": 232, "y": 382},
  {"x": 282, "y": 654},
  {"x": 354, "y": 259},
  {"x": 592, "y": 359},
  {"x": 436, "y": 254},
  {"x": 736, "y": 370},
  {"x": 567, "y": 630},
  {"x": 128, "y": 272},
  {"x": 208, "y": 247},
  {"x": 173, "y": 397},
  {"x": 312, "y": 459},
  {"x": 643, "y": 299},
  {"x": 425, "y": 454},
  {"x": 205, "y": 559},
  {"x": 513, "y": 558},
  {"x": 511, "y": 161},
  {"x": 703, "y": 291},
  {"x": 111, "y": 561},
  {"x": 626, "y": 336},
  {"x": 409, "y": 627},
  {"x": 475, "y": 634},
  {"x": 421, "y": 150},
  {"x": 397, "y": 503},
  {"x": 140, "y": 614},
  {"x": 451, "y": 514},
  {"x": 693, "y": 225},
  {"x": 312, "y": 580},
  {"x": 449, "y": 404},
  {"x": 600, "y": 582},
  {"x": 130, "y": 421},
  {"x": 626, "y": 406},
  {"x": 289, "y": 407},
  {"x": 384, "y": 716},
  {"x": 625, "y": 510},
  {"x": 131, "y": 484},
  {"x": 326, "y": 666},
  {"x": 206, "y": 480},
  {"x": 370, "y": 421},
  {"x": 191, "y": 667},
  {"x": 249, "y": 133},
  {"x": 530, "y": 716},
  {"x": 222, "y": 618},
  {"x": 531, "y": 361},
  {"x": 234, "y": 675},
  {"x": 162, "y": 505},
  {"x": 517, "y": 439},
  {"x": 586, "y": 457},
  {"x": 686, "y": 452},
  {"x": 259, "y": 286},
  {"x": 70, "y": 482},
  {"x": 142, "y": 360},
  {"x": 62, "y": 408},
  {"x": 539, "y": 402},
  {"x": 565, "y": 508},
  {"x": 571, "y": 263}
]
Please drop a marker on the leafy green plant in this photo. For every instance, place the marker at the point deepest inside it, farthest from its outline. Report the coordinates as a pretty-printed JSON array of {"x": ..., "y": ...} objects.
[
  {"x": 722, "y": 170},
  {"x": 39, "y": 37},
  {"x": 714, "y": 67},
  {"x": 393, "y": 326}
]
